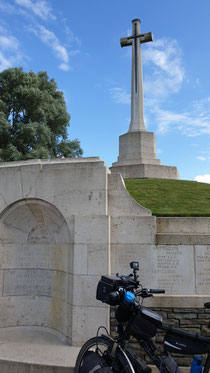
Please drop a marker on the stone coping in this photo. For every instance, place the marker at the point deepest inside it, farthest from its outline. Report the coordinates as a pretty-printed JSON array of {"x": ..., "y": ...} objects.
[
  {"x": 49, "y": 161},
  {"x": 182, "y": 239},
  {"x": 193, "y": 225},
  {"x": 179, "y": 301}
]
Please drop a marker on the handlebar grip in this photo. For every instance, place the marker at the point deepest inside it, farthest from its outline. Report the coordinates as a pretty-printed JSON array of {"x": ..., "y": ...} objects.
[{"x": 157, "y": 291}]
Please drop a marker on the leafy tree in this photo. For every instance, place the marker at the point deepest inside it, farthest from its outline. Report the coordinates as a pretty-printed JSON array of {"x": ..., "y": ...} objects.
[{"x": 33, "y": 118}]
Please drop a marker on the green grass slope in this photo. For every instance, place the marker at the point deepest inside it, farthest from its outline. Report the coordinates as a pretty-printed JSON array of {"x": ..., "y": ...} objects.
[{"x": 171, "y": 197}]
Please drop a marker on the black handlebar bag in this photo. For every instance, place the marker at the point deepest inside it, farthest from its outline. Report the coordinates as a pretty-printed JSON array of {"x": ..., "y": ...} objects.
[{"x": 94, "y": 363}]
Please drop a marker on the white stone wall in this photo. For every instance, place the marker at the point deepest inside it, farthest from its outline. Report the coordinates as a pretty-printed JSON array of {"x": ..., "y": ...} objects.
[
  {"x": 54, "y": 245},
  {"x": 64, "y": 223},
  {"x": 178, "y": 260}
]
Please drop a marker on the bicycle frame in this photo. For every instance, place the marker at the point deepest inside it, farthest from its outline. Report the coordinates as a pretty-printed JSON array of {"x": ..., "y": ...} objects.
[
  {"x": 157, "y": 361},
  {"x": 150, "y": 348},
  {"x": 137, "y": 321}
]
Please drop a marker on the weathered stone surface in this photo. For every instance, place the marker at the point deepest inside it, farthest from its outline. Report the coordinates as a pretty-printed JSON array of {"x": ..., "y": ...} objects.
[
  {"x": 10, "y": 177},
  {"x": 133, "y": 230},
  {"x": 137, "y": 147},
  {"x": 191, "y": 225},
  {"x": 187, "y": 310},
  {"x": 80, "y": 264},
  {"x": 98, "y": 229},
  {"x": 182, "y": 316},
  {"x": 204, "y": 316},
  {"x": 35, "y": 282},
  {"x": 172, "y": 270},
  {"x": 202, "y": 263},
  {"x": 142, "y": 171},
  {"x": 187, "y": 301},
  {"x": 98, "y": 259},
  {"x": 54, "y": 243},
  {"x": 1, "y": 281},
  {"x": 86, "y": 321},
  {"x": 182, "y": 239},
  {"x": 192, "y": 322},
  {"x": 40, "y": 256},
  {"x": 59, "y": 180},
  {"x": 34, "y": 221},
  {"x": 37, "y": 358},
  {"x": 72, "y": 222},
  {"x": 122, "y": 254},
  {"x": 33, "y": 310},
  {"x": 120, "y": 202},
  {"x": 84, "y": 291}
]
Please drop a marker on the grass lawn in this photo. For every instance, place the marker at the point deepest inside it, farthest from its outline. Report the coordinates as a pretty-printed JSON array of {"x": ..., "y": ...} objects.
[{"x": 171, "y": 197}]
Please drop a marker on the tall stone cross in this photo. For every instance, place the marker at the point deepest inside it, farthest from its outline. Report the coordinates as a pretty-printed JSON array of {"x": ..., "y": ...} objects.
[{"x": 137, "y": 96}]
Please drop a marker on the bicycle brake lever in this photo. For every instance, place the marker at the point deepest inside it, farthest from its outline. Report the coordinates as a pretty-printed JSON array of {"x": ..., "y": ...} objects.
[{"x": 145, "y": 294}]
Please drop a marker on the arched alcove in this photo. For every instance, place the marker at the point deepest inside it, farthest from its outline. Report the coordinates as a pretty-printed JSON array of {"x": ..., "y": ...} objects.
[{"x": 35, "y": 259}]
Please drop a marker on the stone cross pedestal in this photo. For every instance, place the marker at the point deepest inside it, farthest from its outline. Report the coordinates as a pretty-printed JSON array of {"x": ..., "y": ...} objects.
[{"x": 137, "y": 148}]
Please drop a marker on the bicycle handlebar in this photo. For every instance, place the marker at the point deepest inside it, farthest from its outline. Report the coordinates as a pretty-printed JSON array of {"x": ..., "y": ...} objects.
[
  {"x": 114, "y": 289},
  {"x": 156, "y": 291}
]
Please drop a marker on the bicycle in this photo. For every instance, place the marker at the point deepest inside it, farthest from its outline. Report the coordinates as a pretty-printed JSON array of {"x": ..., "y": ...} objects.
[{"x": 136, "y": 321}]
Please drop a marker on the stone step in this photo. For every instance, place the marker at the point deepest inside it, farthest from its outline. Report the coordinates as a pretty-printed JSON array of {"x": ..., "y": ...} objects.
[
  {"x": 31, "y": 358},
  {"x": 182, "y": 239},
  {"x": 37, "y": 358}
]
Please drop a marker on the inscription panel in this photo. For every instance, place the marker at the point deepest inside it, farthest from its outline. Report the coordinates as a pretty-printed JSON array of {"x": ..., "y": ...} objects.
[
  {"x": 174, "y": 270},
  {"x": 123, "y": 254},
  {"x": 53, "y": 256},
  {"x": 202, "y": 265},
  {"x": 34, "y": 282},
  {"x": 169, "y": 267}
]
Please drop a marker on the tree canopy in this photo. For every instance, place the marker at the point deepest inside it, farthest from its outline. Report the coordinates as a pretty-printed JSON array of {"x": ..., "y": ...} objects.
[{"x": 33, "y": 118}]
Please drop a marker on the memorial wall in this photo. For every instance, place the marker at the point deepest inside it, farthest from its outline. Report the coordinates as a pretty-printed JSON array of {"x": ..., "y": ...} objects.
[
  {"x": 54, "y": 245},
  {"x": 64, "y": 223},
  {"x": 181, "y": 266}
]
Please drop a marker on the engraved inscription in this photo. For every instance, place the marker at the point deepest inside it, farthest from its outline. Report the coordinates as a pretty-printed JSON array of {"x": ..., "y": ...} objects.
[
  {"x": 172, "y": 270},
  {"x": 34, "y": 282},
  {"x": 34, "y": 256},
  {"x": 202, "y": 260}
]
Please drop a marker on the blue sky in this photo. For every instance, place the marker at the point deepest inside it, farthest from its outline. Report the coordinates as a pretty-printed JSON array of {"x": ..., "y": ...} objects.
[{"x": 78, "y": 44}]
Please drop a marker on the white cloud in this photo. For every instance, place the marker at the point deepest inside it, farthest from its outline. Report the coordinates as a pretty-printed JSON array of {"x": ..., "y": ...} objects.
[
  {"x": 49, "y": 38},
  {"x": 8, "y": 42},
  {"x": 165, "y": 73},
  {"x": 5, "y": 63},
  {"x": 201, "y": 158},
  {"x": 40, "y": 8},
  {"x": 10, "y": 52},
  {"x": 162, "y": 61},
  {"x": 120, "y": 95},
  {"x": 193, "y": 122},
  {"x": 203, "y": 178},
  {"x": 163, "y": 58},
  {"x": 71, "y": 38},
  {"x": 64, "y": 67}
]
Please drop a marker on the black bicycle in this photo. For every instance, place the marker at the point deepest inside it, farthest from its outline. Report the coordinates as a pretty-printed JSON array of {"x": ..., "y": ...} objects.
[{"x": 136, "y": 321}]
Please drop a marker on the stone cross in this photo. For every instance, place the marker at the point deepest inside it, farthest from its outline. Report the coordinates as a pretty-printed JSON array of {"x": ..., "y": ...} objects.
[{"x": 137, "y": 97}]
